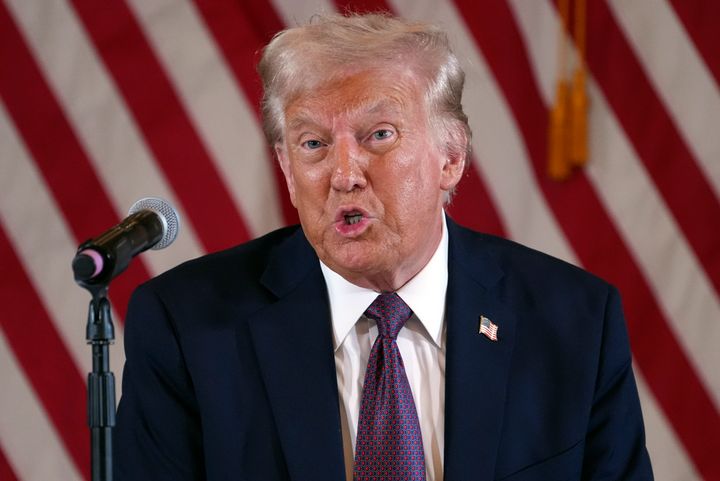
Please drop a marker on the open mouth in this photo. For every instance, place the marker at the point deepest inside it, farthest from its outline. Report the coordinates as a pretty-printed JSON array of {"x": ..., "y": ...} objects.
[
  {"x": 352, "y": 218},
  {"x": 351, "y": 221}
]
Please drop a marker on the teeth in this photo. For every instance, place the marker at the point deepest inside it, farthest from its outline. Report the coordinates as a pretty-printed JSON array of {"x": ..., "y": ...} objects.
[{"x": 353, "y": 218}]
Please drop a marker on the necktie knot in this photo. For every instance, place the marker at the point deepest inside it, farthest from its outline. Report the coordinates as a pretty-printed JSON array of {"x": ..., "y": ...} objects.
[{"x": 390, "y": 312}]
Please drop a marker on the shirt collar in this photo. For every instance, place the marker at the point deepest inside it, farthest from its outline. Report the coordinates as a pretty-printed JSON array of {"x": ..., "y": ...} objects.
[{"x": 424, "y": 293}]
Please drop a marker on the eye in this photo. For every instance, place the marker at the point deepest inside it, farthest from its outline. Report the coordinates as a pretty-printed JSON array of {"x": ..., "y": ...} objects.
[
  {"x": 312, "y": 144},
  {"x": 382, "y": 134}
]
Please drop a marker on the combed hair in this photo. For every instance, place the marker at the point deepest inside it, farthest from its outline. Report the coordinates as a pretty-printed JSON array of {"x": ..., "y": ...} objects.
[{"x": 299, "y": 59}]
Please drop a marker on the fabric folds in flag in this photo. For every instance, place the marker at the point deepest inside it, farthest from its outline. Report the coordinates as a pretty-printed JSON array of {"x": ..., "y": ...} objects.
[{"x": 102, "y": 106}]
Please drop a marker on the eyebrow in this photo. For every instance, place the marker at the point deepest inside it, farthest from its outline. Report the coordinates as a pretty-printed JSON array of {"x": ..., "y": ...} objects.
[
  {"x": 384, "y": 104},
  {"x": 300, "y": 120},
  {"x": 380, "y": 105}
]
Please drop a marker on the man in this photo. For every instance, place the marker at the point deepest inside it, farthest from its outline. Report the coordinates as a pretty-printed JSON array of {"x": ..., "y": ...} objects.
[{"x": 380, "y": 340}]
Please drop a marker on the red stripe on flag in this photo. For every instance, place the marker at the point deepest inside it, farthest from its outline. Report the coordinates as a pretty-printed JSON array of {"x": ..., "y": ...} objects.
[
  {"x": 6, "y": 472},
  {"x": 241, "y": 30},
  {"x": 663, "y": 151},
  {"x": 473, "y": 206},
  {"x": 166, "y": 126},
  {"x": 43, "y": 357},
  {"x": 598, "y": 244},
  {"x": 700, "y": 18},
  {"x": 56, "y": 150}
]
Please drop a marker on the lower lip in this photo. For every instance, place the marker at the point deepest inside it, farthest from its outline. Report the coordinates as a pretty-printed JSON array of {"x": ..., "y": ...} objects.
[{"x": 352, "y": 230}]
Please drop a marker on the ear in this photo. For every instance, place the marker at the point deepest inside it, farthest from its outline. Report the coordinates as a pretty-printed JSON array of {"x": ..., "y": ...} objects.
[
  {"x": 455, "y": 161},
  {"x": 284, "y": 160}
]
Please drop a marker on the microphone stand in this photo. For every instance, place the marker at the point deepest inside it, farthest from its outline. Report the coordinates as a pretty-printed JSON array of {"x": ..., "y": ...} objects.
[
  {"x": 152, "y": 223},
  {"x": 100, "y": 333}
]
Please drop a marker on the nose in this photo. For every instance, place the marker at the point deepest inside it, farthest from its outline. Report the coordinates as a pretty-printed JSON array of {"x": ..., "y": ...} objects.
[{"x": 348, "y": 166}]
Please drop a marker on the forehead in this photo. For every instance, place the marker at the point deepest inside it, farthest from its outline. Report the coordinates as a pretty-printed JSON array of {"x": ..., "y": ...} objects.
[{"x": 357, "y": 95}]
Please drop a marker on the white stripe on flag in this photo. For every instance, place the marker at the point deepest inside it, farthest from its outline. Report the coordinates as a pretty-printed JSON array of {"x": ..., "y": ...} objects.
[
  {"x": 99, "y": 117},
  {"x": 647, "y": 228},
  {"x": 534, "y": 18},
  {"x": 227, "y": 125},
  {"x": 295, "y": 13},
  {"x": 37, "y": 232},
  {"x": 216, "y": 106},
  {"x": 668, "y": 456},
  {"x": 679, "y": 284},
  {"x": 33, "y": 447},
  {"x": 679, "y": 75}
]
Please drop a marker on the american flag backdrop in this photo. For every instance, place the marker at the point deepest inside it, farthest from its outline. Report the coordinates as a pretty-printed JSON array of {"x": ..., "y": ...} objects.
[{"x": 105, "y": 102}]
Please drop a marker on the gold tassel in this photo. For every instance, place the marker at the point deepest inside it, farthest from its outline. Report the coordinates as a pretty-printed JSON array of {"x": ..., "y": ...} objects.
[
  {"x": 558, "y": 165},
  {"x": 578, "y": 122}
]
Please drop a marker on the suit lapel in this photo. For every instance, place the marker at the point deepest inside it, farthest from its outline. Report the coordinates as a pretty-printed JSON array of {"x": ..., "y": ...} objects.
[
  {"x": 293, "y": 342},
  {"x": 476, "y": 367}
]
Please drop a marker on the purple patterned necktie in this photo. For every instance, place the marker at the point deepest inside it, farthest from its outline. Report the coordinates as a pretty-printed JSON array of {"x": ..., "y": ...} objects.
[{"x": 389, "y": 443}]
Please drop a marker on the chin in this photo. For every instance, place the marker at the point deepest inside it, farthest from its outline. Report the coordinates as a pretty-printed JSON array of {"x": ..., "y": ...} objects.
[
  {"x": 354, "y": 263},
  {"x": 354, "y": 260}
]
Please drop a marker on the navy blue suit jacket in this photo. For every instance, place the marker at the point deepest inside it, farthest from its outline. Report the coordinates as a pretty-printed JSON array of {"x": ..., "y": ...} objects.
[{"x": 230, "y": 373}]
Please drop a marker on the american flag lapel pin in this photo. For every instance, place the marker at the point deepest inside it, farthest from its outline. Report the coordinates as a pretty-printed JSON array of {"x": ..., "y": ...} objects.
[{"x": 488, "y": 328}]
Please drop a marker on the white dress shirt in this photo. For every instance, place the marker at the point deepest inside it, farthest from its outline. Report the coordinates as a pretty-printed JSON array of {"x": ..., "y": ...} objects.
[{"x": 422, "y": 346}]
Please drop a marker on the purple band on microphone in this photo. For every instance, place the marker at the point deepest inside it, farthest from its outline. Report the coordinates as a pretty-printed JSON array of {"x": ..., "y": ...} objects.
[{"x": 97, "y": 260}]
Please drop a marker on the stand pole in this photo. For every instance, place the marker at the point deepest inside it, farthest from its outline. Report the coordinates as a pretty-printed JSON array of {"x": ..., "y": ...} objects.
[{"x": 101, "y": 384}]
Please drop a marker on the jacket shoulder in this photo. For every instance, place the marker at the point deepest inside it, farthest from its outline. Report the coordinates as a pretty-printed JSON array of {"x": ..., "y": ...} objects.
[
  {"x": 522, "y": 263},
  {"x": 228, "y": 272}
]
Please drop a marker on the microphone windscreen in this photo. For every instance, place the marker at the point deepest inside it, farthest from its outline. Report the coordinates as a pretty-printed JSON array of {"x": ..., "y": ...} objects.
[{"x": 168, "y": 215}]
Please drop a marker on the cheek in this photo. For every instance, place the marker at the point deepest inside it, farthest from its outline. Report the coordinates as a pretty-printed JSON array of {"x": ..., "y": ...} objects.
[
  {"x": 417, "y": 172},
  {"x": 310, "y": 182},
  {"x": 408, "y": 190},
  {"x": 311, "y": 198}
]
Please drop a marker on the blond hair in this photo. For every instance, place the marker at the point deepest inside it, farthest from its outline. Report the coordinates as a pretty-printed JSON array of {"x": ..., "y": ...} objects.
[{"x": 300, "y": 58}]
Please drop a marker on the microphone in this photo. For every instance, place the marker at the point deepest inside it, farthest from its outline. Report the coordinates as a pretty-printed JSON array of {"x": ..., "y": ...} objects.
[{"x": 152, "y": 223}]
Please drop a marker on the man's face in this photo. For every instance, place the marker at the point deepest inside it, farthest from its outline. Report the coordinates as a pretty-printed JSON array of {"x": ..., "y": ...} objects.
[{"x": 367, "y": 177}]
